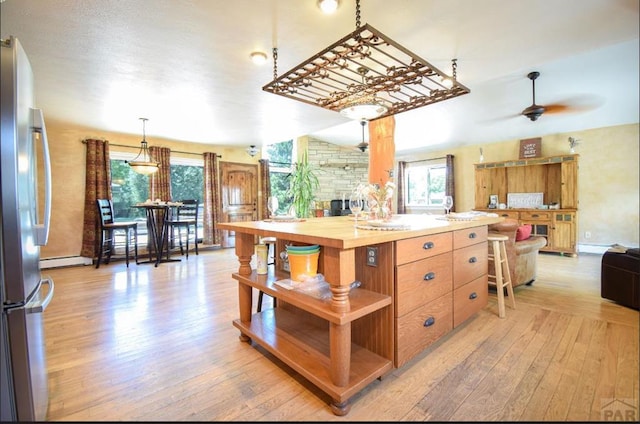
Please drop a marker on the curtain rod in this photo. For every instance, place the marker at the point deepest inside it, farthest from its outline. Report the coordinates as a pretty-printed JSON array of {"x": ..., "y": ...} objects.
[
  {"x": 136, "y": 147},
  {"x": 426, "y": 160}
]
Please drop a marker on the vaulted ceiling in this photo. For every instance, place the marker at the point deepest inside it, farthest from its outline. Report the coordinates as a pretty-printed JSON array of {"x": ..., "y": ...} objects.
[{"x": 184, "y": 64}]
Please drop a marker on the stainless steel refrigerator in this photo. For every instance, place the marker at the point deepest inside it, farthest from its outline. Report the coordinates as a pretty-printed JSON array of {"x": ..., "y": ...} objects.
[{"x": 24, "y": 227}]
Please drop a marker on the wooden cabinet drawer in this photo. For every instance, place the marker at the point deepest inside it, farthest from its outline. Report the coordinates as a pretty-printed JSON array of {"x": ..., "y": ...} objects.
[
  {"x": 536, "y": 216},
  {"x": 469, "y": 263},
  {"x": 469, "y": 236},
  {"x": 416, "y": 248},
  {"x": 423, "y": 326},
  {"x": 420, "y": 282},
  {"x": 507, "y": 214},
  {"x": 469, "y": 299}
]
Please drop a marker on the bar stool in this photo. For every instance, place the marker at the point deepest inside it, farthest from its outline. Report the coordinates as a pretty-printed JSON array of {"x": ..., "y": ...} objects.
[
  {"x": 502, "y": 277},
  {"x": 270, "y": 242}
]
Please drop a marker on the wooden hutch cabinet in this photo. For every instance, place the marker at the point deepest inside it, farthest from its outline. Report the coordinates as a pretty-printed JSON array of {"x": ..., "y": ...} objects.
[{"x": 555, "y": 176}]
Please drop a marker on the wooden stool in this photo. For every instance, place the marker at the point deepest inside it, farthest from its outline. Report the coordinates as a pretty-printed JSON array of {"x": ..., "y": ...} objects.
[
  {"x": 271, "y": 260},
  {"x": 502, "y": 278}
]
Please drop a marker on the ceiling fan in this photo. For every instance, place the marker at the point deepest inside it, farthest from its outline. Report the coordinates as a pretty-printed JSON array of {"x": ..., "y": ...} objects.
[
  {"x": 363, "y": 144},
  {"x": 534, "y": 111}
]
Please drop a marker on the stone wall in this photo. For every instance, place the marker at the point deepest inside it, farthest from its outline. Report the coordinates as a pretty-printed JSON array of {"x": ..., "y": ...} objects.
[{"x": 339, "y": 168}]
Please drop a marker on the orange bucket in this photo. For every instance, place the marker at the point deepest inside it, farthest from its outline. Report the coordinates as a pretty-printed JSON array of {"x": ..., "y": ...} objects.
[{"x": 304, "y": 265}]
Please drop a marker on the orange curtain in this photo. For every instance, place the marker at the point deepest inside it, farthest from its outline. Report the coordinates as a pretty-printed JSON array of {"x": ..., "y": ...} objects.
[
  {"x": 212, "y": 203},
  {"x": 97, "y": 186},
  {"x": 160, "y": 182}
]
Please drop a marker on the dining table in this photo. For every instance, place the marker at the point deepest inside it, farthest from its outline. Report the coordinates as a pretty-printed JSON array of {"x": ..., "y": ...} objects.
[{"x": 157, "y": 234}]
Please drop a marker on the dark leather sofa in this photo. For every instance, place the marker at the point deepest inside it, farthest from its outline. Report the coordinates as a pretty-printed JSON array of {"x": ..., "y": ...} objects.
[{"x": 619, "y": 279}]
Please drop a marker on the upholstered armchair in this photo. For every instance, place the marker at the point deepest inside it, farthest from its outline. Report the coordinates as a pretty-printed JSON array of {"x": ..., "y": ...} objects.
[{"x": 522, "y": 255}]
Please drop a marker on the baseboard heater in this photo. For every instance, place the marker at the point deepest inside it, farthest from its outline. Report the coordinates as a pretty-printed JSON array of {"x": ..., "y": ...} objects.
[{"x": 67, "y": 261}]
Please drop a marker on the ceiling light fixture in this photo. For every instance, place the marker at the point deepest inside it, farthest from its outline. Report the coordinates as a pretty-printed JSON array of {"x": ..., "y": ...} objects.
[
  {"x": 252, "y": 150},
  {"x": 328, "y": 6},
  {"x": 144, "y": 163},
  {"x": 363, "y": 144},
  {"x": 334, "y": 79},
  {"x": 259, "y": 58}
]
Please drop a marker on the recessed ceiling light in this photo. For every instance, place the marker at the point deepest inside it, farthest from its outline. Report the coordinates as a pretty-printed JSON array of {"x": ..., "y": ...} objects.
[
  {"x": 259, "y": 58},
  {"x": 328, "y": 6}
]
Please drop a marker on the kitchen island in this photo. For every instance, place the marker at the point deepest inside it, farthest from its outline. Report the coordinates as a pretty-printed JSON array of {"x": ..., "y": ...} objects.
[{"x": 417, "y": 284}]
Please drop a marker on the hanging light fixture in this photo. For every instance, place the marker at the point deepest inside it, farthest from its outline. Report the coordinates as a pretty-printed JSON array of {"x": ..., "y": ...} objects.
[
  {"x": 362, "y": 105},
  {"x": 144, "y": 163},
  {"x": 365, "y": 68}
]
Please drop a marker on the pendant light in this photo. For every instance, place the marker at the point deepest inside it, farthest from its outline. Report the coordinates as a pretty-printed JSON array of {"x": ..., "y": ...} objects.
[{"x": 144, "y": 163}]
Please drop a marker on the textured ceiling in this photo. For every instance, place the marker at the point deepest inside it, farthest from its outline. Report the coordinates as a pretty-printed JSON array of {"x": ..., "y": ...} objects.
[{"x": 184, "y": 64}]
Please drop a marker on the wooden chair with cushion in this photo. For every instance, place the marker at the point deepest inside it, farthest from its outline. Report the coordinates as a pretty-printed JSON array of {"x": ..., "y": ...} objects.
[
  {"x": 108, "y": 229},
  {"x": 185, "y": 217}
]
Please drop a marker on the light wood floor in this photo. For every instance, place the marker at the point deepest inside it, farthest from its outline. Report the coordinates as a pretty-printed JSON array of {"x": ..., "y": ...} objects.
[{"x": 148, "y": 343}]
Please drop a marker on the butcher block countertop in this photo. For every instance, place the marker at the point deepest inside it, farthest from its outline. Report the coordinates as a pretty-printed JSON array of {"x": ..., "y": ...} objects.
[{"x": 340, "y": 232}]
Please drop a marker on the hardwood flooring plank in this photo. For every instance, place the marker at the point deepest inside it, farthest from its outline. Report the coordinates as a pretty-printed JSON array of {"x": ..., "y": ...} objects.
[
  {"x": 566, "y": 388},
  {"x": 157, "y": 344},
  {"x": 580, "y": 408}
]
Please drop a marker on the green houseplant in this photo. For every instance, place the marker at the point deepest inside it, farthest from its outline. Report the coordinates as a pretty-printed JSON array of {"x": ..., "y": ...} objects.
[{"x": 303, "y": 186}]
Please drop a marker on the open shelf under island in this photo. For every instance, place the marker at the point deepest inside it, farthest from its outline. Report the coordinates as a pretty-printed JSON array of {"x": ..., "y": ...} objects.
[{"x": 417, "y": 284}]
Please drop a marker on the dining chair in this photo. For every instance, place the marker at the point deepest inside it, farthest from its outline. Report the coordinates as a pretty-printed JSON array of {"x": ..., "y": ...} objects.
[
  {"x": 108, "y": 229},
  {"x": 184, "y": 217}
]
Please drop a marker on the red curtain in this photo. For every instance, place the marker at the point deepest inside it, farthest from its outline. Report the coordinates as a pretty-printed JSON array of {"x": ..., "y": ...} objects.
[
  {"x": 212, "y": 203},
  {"x": 401, "y": 207},
  {"x": 97, "y": 186},
  {"x": 160, "y": 182},
  {"x": 265, "y": 187},
  {"x": 450, "y": 187}
]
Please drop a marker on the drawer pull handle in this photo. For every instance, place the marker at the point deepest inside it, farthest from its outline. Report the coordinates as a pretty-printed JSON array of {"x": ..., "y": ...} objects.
[
  {"x": 505, "y": 214},
  {"x": 429, "y": 276},
  {"x": 473, "y": 295},
  {"x": 428, "y": 245},
  {"x": 535, "y": 215},
  {"x": 429, "y": 322},
  {"x": 473, "y": 260},
  {"x": 472, "y": 235}
]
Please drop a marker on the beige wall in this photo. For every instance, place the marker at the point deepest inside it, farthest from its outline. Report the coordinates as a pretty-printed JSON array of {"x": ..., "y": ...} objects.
[
  {"x": 608, "y": 178},
  {"x": 68, "y": 177}
]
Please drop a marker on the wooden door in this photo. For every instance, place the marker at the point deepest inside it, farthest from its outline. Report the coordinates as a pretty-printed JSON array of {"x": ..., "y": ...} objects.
[{"x": 239, "y": 183}]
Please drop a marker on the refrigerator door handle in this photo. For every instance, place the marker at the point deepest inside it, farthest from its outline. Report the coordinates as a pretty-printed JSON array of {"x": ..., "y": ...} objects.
[
  {"x": 39, "y": 306},
  {"x": 42, "y": 230}
]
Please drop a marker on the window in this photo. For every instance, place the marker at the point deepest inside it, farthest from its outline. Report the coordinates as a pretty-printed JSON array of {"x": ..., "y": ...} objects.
[
  {"x": 425, "y": 184},
  {"x": 129, "y": 187},
  {"x": 280, "y": 157}
]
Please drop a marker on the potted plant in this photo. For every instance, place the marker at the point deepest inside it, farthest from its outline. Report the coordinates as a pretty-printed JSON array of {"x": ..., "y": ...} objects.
[{"x": 303, "y": 186}]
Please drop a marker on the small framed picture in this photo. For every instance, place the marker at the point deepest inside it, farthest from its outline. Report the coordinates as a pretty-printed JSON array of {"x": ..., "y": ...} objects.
[
  {"x": 530, "y": 148},
  {"x": 493, "y": 201}
]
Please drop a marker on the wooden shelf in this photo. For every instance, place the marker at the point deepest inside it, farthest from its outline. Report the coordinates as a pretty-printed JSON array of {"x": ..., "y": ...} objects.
[
  {"x": 363, "y": 302},
  {"x": 304, "y": 346}
]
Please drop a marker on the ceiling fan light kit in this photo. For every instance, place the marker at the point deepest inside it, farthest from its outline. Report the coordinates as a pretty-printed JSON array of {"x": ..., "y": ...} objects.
[{"x": 365, "y": 68}]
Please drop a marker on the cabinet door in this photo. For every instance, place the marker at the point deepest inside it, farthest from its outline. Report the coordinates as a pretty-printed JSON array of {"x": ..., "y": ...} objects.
[
  {"x": 490, "y": 181},
  {"x": 482, "y": 188},
  {"x": 569, "y": 185},
  {"x": 564, "y": 229}
]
